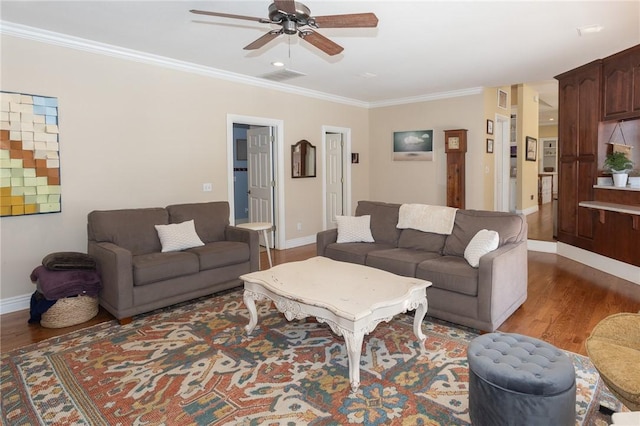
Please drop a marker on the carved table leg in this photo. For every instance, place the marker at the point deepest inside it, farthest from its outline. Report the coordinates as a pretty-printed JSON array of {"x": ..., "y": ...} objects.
[
  {"x": 419, "y": 315},
  {"x": 353, "y": 342},
  {"x": 249, "y": 301}
]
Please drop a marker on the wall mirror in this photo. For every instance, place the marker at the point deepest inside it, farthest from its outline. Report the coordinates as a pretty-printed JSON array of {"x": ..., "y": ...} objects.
[{"x": 303, "y": 160}]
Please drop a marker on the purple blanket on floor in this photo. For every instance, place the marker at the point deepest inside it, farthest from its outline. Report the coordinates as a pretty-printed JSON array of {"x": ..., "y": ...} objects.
[{"x": 58, "y": 284}]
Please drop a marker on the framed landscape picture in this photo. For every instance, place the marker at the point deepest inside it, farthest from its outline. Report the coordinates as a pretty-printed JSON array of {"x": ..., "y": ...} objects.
[{"x": 415, "y": 145}]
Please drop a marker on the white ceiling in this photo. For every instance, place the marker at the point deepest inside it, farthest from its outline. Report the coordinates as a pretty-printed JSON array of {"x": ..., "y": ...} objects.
[{"x": 419, "y": 49}]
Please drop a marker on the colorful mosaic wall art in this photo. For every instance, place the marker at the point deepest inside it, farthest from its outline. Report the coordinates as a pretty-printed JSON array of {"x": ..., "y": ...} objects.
[{"x": 29, "y": 155}]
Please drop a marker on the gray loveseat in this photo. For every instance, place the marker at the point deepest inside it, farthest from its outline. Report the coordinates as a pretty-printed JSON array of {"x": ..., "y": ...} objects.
[
  {"x": 482, "y": 297},
  {"x": 137, "y": 277}
]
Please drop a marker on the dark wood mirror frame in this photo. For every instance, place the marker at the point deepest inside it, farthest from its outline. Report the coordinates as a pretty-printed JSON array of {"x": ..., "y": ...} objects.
[{"x": 303, "y": 160}]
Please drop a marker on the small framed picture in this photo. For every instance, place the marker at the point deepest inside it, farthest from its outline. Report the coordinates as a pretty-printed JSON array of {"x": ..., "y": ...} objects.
[
  {"x": 502, "y": 99},
  {"x": 490, "y": 146},
  {"x": 355, "y": 158},
  {"x": 532, "y": 149},
  {"x": 490, "y": 127}
]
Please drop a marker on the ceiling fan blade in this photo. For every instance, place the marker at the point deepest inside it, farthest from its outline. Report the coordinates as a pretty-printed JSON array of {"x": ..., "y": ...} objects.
[
  {"x": 228, "y": 15},
  {"x": 354, "y": 20},
  {"x": 287, "y": 6},
  {"x": 263, "y": 40},
  {"x": 321, "y": 42}
]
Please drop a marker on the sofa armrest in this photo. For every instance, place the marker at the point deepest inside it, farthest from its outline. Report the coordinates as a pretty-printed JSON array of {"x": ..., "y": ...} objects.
[
  {"x": 115, "y": 266},
  {"x": 243, "y": 235},
  {"x": 502, "y": 282},
  {"x": 324, "y": 238}
]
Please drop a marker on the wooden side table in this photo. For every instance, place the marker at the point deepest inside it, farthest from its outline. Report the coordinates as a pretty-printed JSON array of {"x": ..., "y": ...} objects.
[{"x": 260, "y": 226}]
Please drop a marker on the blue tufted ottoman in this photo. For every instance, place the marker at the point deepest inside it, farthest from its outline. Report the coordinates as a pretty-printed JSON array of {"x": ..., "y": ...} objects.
[{"x": 519, "y": 380}]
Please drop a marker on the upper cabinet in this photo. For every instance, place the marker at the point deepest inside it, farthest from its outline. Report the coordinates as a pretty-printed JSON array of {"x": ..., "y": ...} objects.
[{"x": 621, "y": 85}]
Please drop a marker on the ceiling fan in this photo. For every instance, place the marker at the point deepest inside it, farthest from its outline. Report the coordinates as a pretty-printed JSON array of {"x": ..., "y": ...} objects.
[{"x": 294, "y": 17}]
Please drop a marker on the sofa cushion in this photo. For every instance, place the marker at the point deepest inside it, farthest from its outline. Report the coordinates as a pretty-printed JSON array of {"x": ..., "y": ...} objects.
[
  {"x": 483, "y": 242},
  {"x": 510, "y": 227},
  {"x": 221, "y": 253},
  {"x": 354, "y": 229},
  {"x": 178, "y": 236},
  {"x": 384, "y": 218},
  {"x": 450, "y": 273},
  {"x": 353, "y": 252},
  {"x": 211, "y": 219},
  {"x": 132, "y": 229},
  {"x": 154, "y": 267},
  {"x": 418, "y": 240},
  {"x": 398, "y": 261}
]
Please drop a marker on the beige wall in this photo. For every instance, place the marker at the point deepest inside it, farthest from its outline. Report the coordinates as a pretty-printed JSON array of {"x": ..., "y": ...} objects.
[
  {"x": 425, "y": 181},
  {"x": 527, "y": 125},
  {"x": 548, "y": 131},
  {"x": 138, "y": 135}
]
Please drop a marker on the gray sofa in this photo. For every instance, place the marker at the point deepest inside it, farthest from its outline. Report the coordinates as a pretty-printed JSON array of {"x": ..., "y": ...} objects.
[
  {"x": 480, "y": 298},
  {"x": 137, "y": 277}
]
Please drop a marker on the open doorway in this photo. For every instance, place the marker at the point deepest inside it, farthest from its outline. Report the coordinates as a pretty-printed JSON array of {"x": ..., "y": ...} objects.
[
  {"x": 336, "y": 148},
  {"x": 255, "y": 158}
]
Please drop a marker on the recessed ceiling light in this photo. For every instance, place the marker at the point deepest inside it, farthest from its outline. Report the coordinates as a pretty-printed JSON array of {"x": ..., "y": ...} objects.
[
  {"x": 368, "y": 75},
  {"x": 277, "y": 64},
  {"x": 590, "y": 29}
]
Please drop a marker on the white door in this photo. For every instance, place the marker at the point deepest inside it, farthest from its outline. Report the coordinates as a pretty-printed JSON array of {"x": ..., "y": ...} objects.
[
  {"x": 259, "y": 152},
  {"x": 335, "y": 180}
]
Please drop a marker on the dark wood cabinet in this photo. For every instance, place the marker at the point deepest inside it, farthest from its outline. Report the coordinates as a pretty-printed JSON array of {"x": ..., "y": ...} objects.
[
  {"x": 596, "y": 94},
  {"x": 455, "y": 145},
  {"x": 621, "y": 85},
  {"x": 579, "y": 114}
]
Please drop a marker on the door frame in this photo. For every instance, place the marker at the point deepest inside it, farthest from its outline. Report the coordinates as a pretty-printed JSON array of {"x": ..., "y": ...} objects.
[
  {"x": 346, "y": 170},
  {"x": 502, "y": 166},
  {"x": 277, "y": 160}
]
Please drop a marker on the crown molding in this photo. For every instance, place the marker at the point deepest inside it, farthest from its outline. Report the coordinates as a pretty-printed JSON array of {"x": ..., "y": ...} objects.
[
  {"x": 427, "y": 98},
  {"x": 77, "y": 43}
]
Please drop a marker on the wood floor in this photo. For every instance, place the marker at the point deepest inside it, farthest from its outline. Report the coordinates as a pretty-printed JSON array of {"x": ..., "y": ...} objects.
[
  {"x": 541, "y": 223},
  {"x": 566, "y": 300}
]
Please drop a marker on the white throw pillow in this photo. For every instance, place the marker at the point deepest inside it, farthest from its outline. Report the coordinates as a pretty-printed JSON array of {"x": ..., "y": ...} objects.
[
  {"x": 354, "y": 229},
  {"x": 178, "y": 236},
  {"x": 482, "y": 243}
]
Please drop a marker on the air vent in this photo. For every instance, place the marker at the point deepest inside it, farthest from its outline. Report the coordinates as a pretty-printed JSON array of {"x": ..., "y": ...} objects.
[{"x": 282, "y": 75}]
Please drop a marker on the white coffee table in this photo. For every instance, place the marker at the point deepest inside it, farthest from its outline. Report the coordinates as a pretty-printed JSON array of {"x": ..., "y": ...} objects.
[{"x": 352, "y": 299}]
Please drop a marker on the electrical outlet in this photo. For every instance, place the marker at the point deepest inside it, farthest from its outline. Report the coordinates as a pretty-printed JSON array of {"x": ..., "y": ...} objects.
[
  {"x": 299, "y": 226},
  {"x": 207, "y": 187}
]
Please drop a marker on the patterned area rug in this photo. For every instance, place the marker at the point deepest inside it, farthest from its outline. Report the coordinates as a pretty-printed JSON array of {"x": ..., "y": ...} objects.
[{"x": 194, "y": 364}]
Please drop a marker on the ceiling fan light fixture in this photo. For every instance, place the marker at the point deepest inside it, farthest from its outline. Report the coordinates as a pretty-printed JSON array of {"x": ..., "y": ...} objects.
[{"x": 289, "y": 27}]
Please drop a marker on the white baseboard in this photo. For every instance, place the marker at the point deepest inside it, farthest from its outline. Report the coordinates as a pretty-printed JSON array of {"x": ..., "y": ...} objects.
[
  {"x": 543, "y": 246},
  {"x": 606, "y": 264},
  {"x": 14, "y": 304},
  {"x": 302, "y": 241},
  {"x": 622, "y": 270},
  {"x": 529, "y": 210}
]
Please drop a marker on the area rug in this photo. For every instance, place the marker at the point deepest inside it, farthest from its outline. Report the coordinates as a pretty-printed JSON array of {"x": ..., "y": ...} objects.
[{"x": 195, "y": 364}]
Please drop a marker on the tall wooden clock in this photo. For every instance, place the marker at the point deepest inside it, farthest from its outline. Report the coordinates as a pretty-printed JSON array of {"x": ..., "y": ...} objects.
[{"x": 455, "y": 146}]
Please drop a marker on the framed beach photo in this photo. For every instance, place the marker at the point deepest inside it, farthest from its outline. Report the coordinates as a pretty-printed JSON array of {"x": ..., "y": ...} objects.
[{"x": 415, "y": 145}]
